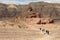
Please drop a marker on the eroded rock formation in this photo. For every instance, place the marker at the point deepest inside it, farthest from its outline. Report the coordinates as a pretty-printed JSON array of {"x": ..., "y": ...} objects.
[
  {"x": 45, "y": 21},
  {"x": 35, "y": 17}
]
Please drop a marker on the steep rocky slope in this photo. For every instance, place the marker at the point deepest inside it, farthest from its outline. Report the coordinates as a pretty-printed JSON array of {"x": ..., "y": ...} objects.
[{"x": 45, "y": 9}]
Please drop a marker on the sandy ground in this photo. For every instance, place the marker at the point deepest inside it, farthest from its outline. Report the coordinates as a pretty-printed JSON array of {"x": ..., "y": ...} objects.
[{"x": 11, "y": 31}]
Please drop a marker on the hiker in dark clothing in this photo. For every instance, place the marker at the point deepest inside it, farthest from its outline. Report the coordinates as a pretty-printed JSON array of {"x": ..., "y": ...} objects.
[
  {"x": 43, "y": 30},
  {"x": 47, "y": 32},
  {"x": 40, "y": 28}
]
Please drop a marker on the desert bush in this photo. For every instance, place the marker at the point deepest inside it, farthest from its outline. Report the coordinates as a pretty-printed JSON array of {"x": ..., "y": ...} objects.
[
  {"x": 11, "y": 24},
  {"x": 19, "y": 26}
]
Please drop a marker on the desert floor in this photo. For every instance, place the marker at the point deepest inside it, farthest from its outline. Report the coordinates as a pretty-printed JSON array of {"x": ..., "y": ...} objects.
[{"x": 25, "y": 31}]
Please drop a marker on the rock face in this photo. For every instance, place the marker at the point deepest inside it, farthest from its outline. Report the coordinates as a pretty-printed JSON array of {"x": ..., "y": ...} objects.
[
  {"x": 45, "y": 21},
  {"x": 39, "y": 20},
  {"x": 6, "y": 12},
  {"x": 41, "y": 9},
  {"x": 12, "y": 10},
  {"x": 47, "y": 9},
  {"x": 3, "y": 10},
  {"x": 33, "y": 15}
]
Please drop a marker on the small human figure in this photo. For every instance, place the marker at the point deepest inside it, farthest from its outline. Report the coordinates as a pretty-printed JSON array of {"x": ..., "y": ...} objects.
[
  {"x": 43, "y": 30},
  {"x": 40, "y": 28},
  {"x": 47, "y": 32}
]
